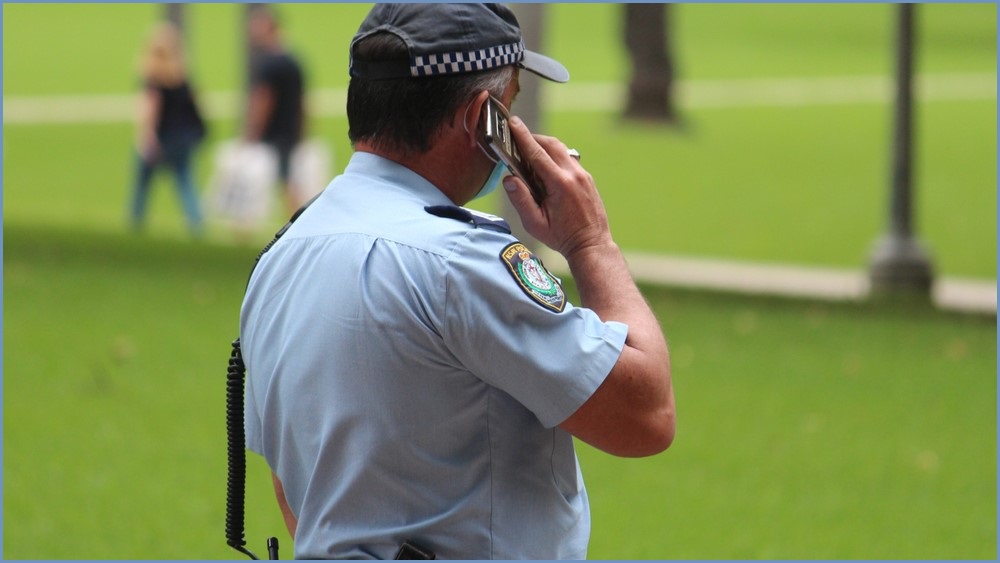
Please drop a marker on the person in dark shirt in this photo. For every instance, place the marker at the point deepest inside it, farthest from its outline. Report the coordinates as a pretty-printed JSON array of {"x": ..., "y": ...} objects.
[
  {"x": 169, "y": 127},
  {"x": 276, "y": 108}
]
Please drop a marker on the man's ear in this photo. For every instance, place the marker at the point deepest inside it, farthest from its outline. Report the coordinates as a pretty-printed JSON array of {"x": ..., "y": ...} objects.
[{"x": 471, "y": 116}]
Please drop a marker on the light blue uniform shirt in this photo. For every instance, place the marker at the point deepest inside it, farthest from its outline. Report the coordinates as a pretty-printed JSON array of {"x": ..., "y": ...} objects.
[{"x": 406, "y": 379}]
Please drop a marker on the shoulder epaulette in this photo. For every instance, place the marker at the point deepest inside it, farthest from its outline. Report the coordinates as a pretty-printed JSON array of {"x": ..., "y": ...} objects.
[{"x": 476, "y": 218}]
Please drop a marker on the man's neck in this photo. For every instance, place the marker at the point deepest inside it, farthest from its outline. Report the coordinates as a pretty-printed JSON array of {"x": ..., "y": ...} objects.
[{"x": 442, "y": 166}]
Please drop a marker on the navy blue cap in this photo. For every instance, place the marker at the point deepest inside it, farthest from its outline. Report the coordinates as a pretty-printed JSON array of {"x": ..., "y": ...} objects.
[{"x": 450, "y": 39}]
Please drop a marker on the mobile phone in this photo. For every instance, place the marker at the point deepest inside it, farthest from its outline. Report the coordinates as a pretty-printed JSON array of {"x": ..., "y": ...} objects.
[{"x": 499, "y": 142}]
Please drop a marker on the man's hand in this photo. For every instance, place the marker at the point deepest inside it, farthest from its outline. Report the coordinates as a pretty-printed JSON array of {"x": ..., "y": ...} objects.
[{"x": 572, "y": 218}]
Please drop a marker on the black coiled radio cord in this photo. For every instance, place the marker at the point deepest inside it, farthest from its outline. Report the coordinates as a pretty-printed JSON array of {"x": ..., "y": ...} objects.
[
  {"x": 236, "y": 435},
  {"x": 237, "y": 455}
]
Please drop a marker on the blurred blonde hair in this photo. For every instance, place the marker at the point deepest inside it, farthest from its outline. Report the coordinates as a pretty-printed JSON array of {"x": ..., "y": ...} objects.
[{"x": 163, "y": 60}]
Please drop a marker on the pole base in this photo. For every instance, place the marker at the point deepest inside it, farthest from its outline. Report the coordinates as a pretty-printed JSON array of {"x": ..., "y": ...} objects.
[{"x": 900, "y": 265}]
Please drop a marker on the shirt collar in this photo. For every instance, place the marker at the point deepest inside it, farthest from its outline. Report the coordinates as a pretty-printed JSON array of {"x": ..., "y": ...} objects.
[{"x": 390, "y": 172}]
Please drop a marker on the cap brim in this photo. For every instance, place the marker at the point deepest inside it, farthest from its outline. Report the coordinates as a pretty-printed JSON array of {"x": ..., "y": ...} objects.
[{"x": 544, "y": 66}]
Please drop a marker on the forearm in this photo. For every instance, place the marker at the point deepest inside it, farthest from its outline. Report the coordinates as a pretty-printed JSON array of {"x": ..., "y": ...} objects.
[
  {"x": 286, "y": 512},
  {"x": 147, "y": 110},
  {"x": 632, "y": 414},
  {"x": 606, "y": 286}
]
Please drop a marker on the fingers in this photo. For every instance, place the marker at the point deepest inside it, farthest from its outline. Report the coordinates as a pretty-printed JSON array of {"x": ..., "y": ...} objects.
[
  {"x": 572, "y": 215},
  {"x": 550, "y": 164},
  {"x": 546, "y": 155},
  {"x": 530, "y": 149},
  {"x": 532, "y": 216}
]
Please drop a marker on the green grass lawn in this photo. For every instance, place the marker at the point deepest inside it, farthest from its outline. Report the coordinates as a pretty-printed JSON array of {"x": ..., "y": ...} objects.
[
  {"x": 810, "y": 431},
  {"x": 804, "y": 184},
  {"x": 774, "y": 184},
  {"x": 806, "y": 431}
]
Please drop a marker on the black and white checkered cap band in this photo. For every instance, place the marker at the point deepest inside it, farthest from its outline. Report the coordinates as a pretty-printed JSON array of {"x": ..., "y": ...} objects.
[{"x": 469, "y": 61}]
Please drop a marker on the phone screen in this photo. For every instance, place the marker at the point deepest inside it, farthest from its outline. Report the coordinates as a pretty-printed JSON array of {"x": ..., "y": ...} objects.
[{"x": 498, "y": 139}]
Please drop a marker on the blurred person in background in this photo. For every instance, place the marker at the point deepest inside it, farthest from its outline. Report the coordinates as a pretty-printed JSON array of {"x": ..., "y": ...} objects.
[
  {"x": 169, "y": 125},
  {"x": 276, "y": 105}
]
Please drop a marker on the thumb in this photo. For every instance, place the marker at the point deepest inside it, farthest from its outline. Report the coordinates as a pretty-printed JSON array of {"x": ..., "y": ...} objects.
[{"x": 532, "y": 216}]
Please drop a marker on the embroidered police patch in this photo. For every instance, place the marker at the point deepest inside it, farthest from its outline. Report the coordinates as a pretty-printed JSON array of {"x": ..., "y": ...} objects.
[{"x": 533, "y": 278}]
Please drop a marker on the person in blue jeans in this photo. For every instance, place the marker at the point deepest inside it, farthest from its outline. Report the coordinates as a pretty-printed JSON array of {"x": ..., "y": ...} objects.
[{"x": 170, "y": 126}]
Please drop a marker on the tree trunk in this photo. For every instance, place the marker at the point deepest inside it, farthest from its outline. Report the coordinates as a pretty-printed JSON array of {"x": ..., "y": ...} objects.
[{"x": 650, "y": 92}]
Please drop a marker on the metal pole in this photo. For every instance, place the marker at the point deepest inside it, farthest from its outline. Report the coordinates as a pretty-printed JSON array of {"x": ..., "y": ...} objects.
[
  {"x": 899, "y": 264},
  {"x": 902, "y": 154}
]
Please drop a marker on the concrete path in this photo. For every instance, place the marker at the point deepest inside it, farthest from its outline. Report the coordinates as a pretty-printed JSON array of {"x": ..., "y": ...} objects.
[
  {"x": 957, "y": 294},
  {"x": 978, "y": 296},
  {"x": 573, "y": 96}
]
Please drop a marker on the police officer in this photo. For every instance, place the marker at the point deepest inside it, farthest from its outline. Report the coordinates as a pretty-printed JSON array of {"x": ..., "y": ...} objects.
[{"x": 415, "y": 373}]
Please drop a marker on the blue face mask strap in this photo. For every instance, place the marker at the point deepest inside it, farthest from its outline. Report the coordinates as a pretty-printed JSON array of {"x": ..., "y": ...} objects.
[
  {"x": 499, "y": 168},
  {"x": 499, "y": 171}
]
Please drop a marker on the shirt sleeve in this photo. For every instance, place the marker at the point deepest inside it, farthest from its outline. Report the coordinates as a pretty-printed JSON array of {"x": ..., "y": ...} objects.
[{"x": 507, "y": 320}]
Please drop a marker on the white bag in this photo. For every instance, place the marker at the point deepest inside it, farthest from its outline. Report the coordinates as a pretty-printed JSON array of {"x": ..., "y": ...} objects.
[
  {"x": 309, "y": 170},
  {"x": 242, "y": 183}
]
